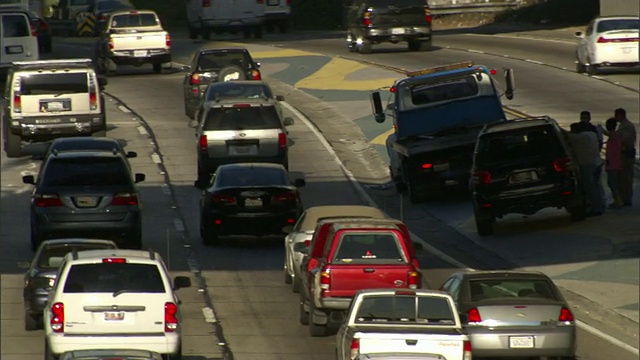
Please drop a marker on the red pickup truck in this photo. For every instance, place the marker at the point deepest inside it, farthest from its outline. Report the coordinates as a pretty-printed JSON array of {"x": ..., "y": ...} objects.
[{"x": 347, "y": 255}]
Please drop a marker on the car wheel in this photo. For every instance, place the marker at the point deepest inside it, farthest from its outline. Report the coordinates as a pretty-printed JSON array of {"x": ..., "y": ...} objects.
[
  {"x": 484, "y": 224},
  {"x": 580, "y": 69},
  {"x": 257, "y": 32},
  {"x": 303, "y": 315},
  {"x": 591, "y": 69},
  {"x": 315, "y": 330},
  {"x": 246, "y": 32},
  {"x": 157, "y": 68},
  {"x": 287, "y": 278},
  {"x": 36, "y": 239},
  {"x": 135, "y": 241},
  {"x": 209, "y": 236},
  {"x": 269, "y": 27},
  {"x": 297, "y": 285},
  {"x": 31, "y": 322},
  {"x": 365, "y": 47},
  {"x": 284, "y": 26},
  {"x": 578, "y": 212},
  {"x": 415, "y": 45},
  {"x": 193, "y": 33},
  {"x": 12, "y": 143},
  {"x": 47, "y": 352}
]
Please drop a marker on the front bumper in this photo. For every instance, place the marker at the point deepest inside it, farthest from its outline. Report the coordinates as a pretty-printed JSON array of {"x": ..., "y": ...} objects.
[
  {"x": 36, "y": 126},
  {"x": 263, "y": 224},
  {"x": 163, "y": 343},
  {"x": 559, "y": 341},
  {"x": 130, "y": 57}
]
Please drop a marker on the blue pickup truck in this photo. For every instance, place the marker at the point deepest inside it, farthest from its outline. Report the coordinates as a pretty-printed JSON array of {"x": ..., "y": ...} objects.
[{"x": 437, "y": 114}]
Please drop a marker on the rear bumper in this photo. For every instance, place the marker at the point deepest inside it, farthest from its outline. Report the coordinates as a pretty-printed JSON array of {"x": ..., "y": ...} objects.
[
  {"x": 616, "y": 55},
  {"x": 117, "y": 231},
  {"x": 560, "y": 341},
  {"x": 529, "y": 203},
  {"x": 128, "y": 57},
  {"x": 254, "y": 225},
  {"x": 33, "y": 127},
  {"x": 333, "y": 303},
  {"x": 421, "y": 33},
  {"x": 160, "y": 343}
]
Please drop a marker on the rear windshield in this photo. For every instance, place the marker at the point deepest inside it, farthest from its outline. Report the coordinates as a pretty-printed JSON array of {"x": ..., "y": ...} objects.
[
  {"x": 618, "y": 24},
  {"x": 252, "y": 177},
  {"x": 84, "y": 145},
  {"x": 406, "y": 309},
  {"x": 443, "y": 91},
  {"x": 54, "y": 84},
  {"x": 134, "y": 20},
  {"x": 368, "y": 247},
  {"x": 219, "y": 60},
  {"x": 89, "y": 171},
  {"x": 15, "y": 26},
  {"x": 510, "y": 288},
  {"x": 235, "y": 90},
  {"x": 52, "y": 255},
  {"x": 114, "y": 277},
  {"x": 249, "y": 118},
  {"x": 518, "y": 145}
]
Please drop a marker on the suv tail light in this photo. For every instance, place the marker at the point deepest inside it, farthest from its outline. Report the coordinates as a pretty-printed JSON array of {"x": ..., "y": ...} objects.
[
  {"x": 366, "y": 19},
  {"x": 93, "y": 99},
  {"x": 224, "y": 199},
  {"x": 325, "y": 280},
  {"x": 565, "y": 315},
  {"x": 111, "y": 44},
  {"x": 102, "y": 17},
  {"x": 290, "y": 196},
  {"x": 466, "y": 347},
  {"x": 413, "y": 278},
  {"x": 46, "y": 200},
  {"x": 355, "y": 348},
  {"x": 123, "y": 199},
  {"x": 255, "y": 75},
  {"x": 170, "y": 317},
  {"x": 282, "y": 141},
  {"x": 34, "y": 29},
  {"x": 206, "y": 3},
  {"x": 481, "y": 177},
  {"x": 57, "y": 317},
  {"x": 203, "y": 143},
  {"x": 195, "y": 79},
  {"x": 562, "y": 165},
  {"x": 167, "y": 40},
  {"x": 17, "y": 103},
  {"x": 473, "y": 316},
  {"x": 43, "y": 24},
  {"x": 427, "y": 14}
]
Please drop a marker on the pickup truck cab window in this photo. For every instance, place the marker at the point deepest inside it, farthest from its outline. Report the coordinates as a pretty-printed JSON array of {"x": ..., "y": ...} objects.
[
  {"x": 366, "y": 247},
  {"x": 134, "y": 20},
  {"x": 443, "y": 91}
]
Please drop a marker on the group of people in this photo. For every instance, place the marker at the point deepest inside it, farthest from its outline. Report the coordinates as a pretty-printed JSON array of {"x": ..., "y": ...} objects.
[{"x": 587, "y": 141}]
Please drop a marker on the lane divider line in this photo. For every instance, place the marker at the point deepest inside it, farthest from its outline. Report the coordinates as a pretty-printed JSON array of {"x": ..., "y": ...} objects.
[{"x": 124, "y": 109}]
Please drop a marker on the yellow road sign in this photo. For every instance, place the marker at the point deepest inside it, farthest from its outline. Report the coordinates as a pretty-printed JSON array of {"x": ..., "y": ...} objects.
[{"x": 86, "y": 24}]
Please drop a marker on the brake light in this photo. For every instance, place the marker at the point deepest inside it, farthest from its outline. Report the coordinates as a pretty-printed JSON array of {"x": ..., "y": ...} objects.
[
  {"x": 481, "y": 177},
  {"x": 255, "y": 75},
  {"x": 206, "y": 3},
  {"x": 57, "y": 317},
  {"x": 355, "y": 348},
  {"x": 325, "y": 279},
  {"x": 427, "y": 14},
  {"x": 426, "y": 166},
  {"x": 413, "y": 279},
  {"x": 562, "y": 165},
  {"x": 203, "y": 143},
  {"x": 406, "y": 293},
  {"x": 102, "y": 17},
  {"x": 195, "y": 79},
  {"x": 307, "y": 243},
  {"x": 467, "y": 348},
  {"x": 133, "y": 12},
  {"x": 34, "y": 29},
  {"x": 110, "y": 43},
  {"x": 46, "y": 200},
  {"x": 17, "y": 103},
  {"x": 285, "y": 197},
  {"x": 224, "y": 199},
  {"x": 123, "y": 199},
  {"x": 366, "y": 19},
  {"x": 43, "y": 24},
  {"x": 170, "y": 317},
  {"x": 241, "y": 105},
  {"x": 473, "y": 316},
  {"x": 167, "y": 40},
  {"x": 114, "y": 260},
  {"x": 602, "y": 40},
  {"x": 282, "y": 141},
  {"x": 93, "y": 99},
  {"x": 493, "y": 71},
  {"x": 565, "y": 315}
]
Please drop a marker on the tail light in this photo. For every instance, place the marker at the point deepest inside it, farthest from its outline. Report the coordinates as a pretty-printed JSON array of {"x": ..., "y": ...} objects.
[
  {"x": 17, "y": 103},
  {"x": 111, "y": 44},
  {"x": 195, "y": 79},
  {"x": 602, "y": 40},
  {"x": 366, "y": 19},
  {"x": 426, "y": 166},
  {"x": 34, "y": 29},
  {"x": 482, "y": 177},
  {"x": 170, "y": 317},
  {"x": 282, "y": 141},
  {"x": 123, "y": 199},
  {"x": 57, "y": 317},
  {"x": 203, "y": 143},
  {"x": 167, "y": 40},
  {"x": 427, "y": 14},
  {"x": 307, "y": 243},
  {"x": 223, "y": 199},
  {"x": 325, "y": 280},
  {"x": 46, "y": 200},
  {"x": 93, "y": 99},
  {"x": 255, "y": 75},
  {"x": 355, "y": 348},
  {"x": 44, "y": 25},
  {"x": 413, "y": 277},
  {"x": 206, "y": 3},
  {"x": 473, "y": 316},
  {"x": 562, "y": 165},
  {"x": 241, "y": 105},
  {"x": 114, "y": 260},
  {"x": 102, "y": 17},
  {"x": 565, "y": 315},
  {"x": 285, "y": 197},
  {"x": 466, "y": 347}
]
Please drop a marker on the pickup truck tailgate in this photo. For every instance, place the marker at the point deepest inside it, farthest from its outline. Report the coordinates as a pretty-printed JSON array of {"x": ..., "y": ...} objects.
[
  {"x": 139, "y": 40},
  {"x": 448, "y": 346},
  {"x": 347, "y": 279}
]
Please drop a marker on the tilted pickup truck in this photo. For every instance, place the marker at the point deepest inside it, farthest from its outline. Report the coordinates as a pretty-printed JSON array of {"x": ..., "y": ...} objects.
[
  {"x": 133, "y": 37},
  {"x": 402, "y": 324},
  {"x": 349, "y": 255}
]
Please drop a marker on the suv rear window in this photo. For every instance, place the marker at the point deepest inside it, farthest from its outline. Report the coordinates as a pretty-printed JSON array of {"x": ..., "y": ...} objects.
[
  {"x": 245, "y": 118},
  {"x": 114, "y": 277},
  {"x": 53, "y": 84},
  {"x": 519, "y": 145},
  {"x": 367, "y": 247},
  {"x": 399, "y": 308},
  {"x": 510, "y": 288},
  {"x": 443, "y": 91},
  {"x": 15, "y": 26},
  {"x": 219, "y": 60},
  {"x": 133, "y": 20},
  {"x": 52, "y": 255},
  {"x": 86, "y": 171}
]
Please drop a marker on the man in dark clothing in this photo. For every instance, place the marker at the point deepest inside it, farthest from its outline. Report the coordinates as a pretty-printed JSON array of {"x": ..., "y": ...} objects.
[{"x": 585, "y": 119}]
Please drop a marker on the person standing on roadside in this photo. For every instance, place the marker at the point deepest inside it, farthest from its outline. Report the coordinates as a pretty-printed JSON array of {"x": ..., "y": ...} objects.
[
  {"x": 613, "y": 161},
  {"x": 628, "y": 136},
  {"x": 585, "y": 118},
  {"x": 585, "y": 146}
]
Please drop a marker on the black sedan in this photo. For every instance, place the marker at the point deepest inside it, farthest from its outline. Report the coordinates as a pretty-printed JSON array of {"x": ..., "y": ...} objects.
[
  {"x": 43, "y": 31},
  {"x": 256, "y": 199},
  {"x": 43, "y": 270}
]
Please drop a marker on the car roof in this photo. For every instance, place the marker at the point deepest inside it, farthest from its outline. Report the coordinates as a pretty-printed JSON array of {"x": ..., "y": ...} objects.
[
  {"x": 112, "y": 353},
  {"x": 515, "y": 124},
  {"x": 72, "y": 241},
  {"x": 225, "y": 49},
  {"x": 85, "y": 64},
  {"x": 85, "y": 139},
  {"x": 318, "y": 213},
  {"x": 135, "y": 255},
  {"x": 88, "y": 154},
  {"x": 252, "y": 165},
  {"x": 131, "y": 11},
  {"x": 484, "y": 274}
]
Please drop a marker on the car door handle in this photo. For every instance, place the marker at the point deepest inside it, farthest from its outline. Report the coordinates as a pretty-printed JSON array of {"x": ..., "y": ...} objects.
[
  {"x": 411, "y": 342},
  {"x": 369, "y": 270}
]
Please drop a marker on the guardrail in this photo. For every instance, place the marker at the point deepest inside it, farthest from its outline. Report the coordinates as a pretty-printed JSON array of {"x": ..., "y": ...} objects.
[{"x": 453, "y": 9}]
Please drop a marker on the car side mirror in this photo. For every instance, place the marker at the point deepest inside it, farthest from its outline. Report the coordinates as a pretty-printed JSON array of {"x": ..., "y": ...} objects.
[
  {"x": 181, "y": 282},
  {"x": 279, "y": 98},
  {"x": 418, "y": 246},
  {"x": 511, "y": 83},
  {"x": 140, "y": 177},
  {"x": 376, "y": 104},
  {"x": 288, "y": 121},
  {"x": 299, "y": 183},
  {"x": 287, "y": 229},
  {"x": 301, "y": 247},
  {"x": 29, "y": 179},
  {"x": 132, "y": 154},
  {"x": 193, "y": 124},
  {"x": 579, "y": 34}
]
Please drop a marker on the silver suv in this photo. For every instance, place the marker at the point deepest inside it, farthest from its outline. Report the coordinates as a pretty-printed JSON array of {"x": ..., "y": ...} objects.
[{"x": 231, "y": 132}]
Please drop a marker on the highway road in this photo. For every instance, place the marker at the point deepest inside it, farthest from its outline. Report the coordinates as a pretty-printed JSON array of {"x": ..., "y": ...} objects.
[{"x": 240, "y": 307}]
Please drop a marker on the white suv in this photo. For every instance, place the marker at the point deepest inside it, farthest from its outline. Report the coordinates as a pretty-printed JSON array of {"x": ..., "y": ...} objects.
[{"x": 119, "y": 299}]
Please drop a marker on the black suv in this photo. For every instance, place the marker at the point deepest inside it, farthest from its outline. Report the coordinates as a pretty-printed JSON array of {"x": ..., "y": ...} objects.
[
  {"x": 216, "y": 65},
  {"x": 523, "y": 166},
  {"x": 377, "y": 21},
  {"x": 83, "y": 194}
]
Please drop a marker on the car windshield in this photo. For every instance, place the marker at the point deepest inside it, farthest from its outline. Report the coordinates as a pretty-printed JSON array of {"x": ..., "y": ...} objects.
[
  {"x": 222, "y": 59},
  {"x": 247, "y": 176},
  {"x": 364, "y": 247},
  {"x": 52, "y": 255},
  {"x": 618, "y": 24},
  {"x": 516, "y": 146},
  {"x": 54, "y": 84},
  {"x": 86, "y": 171},
  {"x": 61, "y": 146},
  {"x": 114, "y": 277},
  {"x": 234, "y": 90},
  {"x": 444, "y": 91},
  {"x": 242, "y": 118},
  {"x": 510, "y": 288},
  {"x": 406, "y": 309},
  {"x": 133, "y": 20}
]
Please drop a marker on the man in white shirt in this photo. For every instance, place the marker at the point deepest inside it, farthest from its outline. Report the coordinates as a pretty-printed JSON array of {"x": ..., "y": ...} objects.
[{"x": 587, "y": 151}]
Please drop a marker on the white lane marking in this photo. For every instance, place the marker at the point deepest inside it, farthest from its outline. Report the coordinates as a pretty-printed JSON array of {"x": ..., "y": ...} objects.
[
  {"x": 142, "y": 130},
  {"x": 166, "y": 189},
  {"x": 428, "y": 247},
  {"x": 475, "y": 51},
  {"x": 156, "y": 158},
  {"x": 177, "y": 223},
  {"x": 527, "y": 38},
  {"x": 124, "y": 109},
  {"x": 209, "y": 315},
  {"x": 534, "y": 61},
  {"x": 363, "y": 194}
]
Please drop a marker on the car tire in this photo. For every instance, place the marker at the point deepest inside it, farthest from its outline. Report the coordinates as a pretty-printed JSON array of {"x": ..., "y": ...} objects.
[
  {"x": 414, "y": 45},
  {"x": 206, "y": 33},
  {"x": 315, "y": 330},
  {"x": 580, "y": 68},
  {"x": 284, "y": 26},
  {"x": 157, "y": 68},
  {"x": 287, "y": 278},
  {"x": 269, "y": 27},
  {"x": 303, "y": 316},
  {"x": 47, "y": 352},
  {"x": 31, "y": 323},
  {"x": 13, "y": 144},
  {"x": 208, "y": 235},
  {"x": 297, "y": 285},
  {"x": 176, "y": 356},
  {"x": 484, "y": 224},
  {"x": 577, "y": 213},
  {"x": 193, "y": 33},
  {"x": 365, "y": 47},
  {"x": 230, "y": 70},
  {"x": 246, "y": 32},
  {"x": 257, "y": 32},
  {"x": 36, "y": 240}
]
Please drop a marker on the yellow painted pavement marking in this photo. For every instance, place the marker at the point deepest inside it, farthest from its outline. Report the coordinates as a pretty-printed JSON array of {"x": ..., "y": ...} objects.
[
  {"x": 333, "y": 76},
  {"x": 281, "y": 53}
]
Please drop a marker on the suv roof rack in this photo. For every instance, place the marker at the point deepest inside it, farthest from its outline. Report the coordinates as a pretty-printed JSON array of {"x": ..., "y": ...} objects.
[
  {"x": 152, "y": 254},
  {"x": 455, "y": 66},
  {"x": 53, "y": 62},
  {"x": 74, "y": 253}
]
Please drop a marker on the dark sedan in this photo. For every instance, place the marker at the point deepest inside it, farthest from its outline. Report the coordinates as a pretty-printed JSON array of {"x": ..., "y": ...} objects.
[
  {"x": 513, "y": 314},
  {"x": 43, "y": 31},
  {"x": 43, "y": 270},
  {"x": 255, "y": 199}
]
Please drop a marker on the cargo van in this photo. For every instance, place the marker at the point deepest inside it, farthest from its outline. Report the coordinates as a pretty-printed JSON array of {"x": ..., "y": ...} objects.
[
  {"x": 224, "y": 16},
  {"x": 18, "y": 39}
]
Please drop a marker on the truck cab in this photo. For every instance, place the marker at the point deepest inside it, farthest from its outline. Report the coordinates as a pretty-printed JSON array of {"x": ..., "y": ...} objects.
[{"x": 437, "y": 114}]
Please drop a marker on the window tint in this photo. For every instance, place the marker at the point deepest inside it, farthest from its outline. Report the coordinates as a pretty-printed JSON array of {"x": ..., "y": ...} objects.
[
  {"x": 219, "y": 60},
  {"x": 53, "y": 254},
  {"x": 619, "y": 24},
  {"x": 518, "y": 145},
  {"x": 368, "y": 247},
  {"x": 133, "y": 20},
  {"x": 54, "y": 84},
  {"x": 249, "y": 118},
  {"x": 235, "y": 90},
  {"x": 86, "y": 171},
  {"x": 15, "y": 26},
  {"x": 510, "y": 288},
  {"x": 442, "y": 91},
  {"x": 400, "y": 308},
  {"x": 110, "y": 278},
  {"x": 252, "y": 177}
]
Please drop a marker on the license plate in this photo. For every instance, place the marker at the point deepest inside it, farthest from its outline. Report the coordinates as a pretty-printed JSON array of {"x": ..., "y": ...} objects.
[
  {"x": 243, "y": 150},
  {"x": 17, "y": 49},
  {"x": 397, "y": 31},
  {"x": 114, "y": 316},
  {"x": 253, "y": 202},
  {"x": 525, "y": 176},
  {"x": 86, "y": 201},
  {"x": 56, "y": 105},
  {"x": 521, "y": 342},
  {"x": 140, "y": 53},
  {"x": 441, "y": 167}
]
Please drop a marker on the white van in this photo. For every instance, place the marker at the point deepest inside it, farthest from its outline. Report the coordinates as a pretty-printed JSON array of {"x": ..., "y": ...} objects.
[
  {"x": 220, "y": 16},
  {"x": 277, "y": 15},
  {"x": 18, "y": 40}
]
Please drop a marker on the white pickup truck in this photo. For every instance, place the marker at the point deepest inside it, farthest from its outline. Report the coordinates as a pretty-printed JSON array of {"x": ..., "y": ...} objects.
[
  {"x": 133, "y": 37},
  {"x": 402, "y": 324}
]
